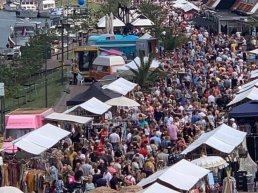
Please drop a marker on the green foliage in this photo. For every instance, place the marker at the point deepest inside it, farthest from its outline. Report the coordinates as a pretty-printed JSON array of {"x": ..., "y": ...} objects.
[
  {"x": 155, "y": 13},
  {"x": 171, "y": 42},
  {"x": 19, "y": 72},
  {"x": 111, "y": 6},
  {"x": 144, "y": 75}
]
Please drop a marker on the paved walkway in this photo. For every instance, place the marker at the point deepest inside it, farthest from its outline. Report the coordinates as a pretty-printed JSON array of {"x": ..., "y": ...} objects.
[{"x": 70, "y": 92}]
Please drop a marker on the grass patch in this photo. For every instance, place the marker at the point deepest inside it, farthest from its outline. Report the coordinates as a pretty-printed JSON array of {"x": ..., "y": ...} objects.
[{"x": 34, "y": 96}]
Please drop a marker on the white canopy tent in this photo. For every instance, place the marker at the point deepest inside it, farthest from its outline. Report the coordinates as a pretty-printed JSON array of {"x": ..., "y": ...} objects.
[
  {"x": 109, "y": 60},
  {"x": 122, "y": 102},
  {"x": 142, "y": 22},
  {"x": 156, "y": 187},
  {"x": 103, "y": 22},
  {"x": 185, "y": 5},
  {"x": 93, "y": 105},
  {"x": 71, "y": 118},
  {"x": 121, "y": 86},
  {"x": 40, "y": 140},
  {"x": 224, "y": 139},
  {"x": 255, "y": 51},
  {"x": 248, "y": 85},
  {"x": 183, "y": 176},
  {"x": 132, "y": 65},
  {"x": 251, "y": 94},
  {"x": 254, "y": 73}
]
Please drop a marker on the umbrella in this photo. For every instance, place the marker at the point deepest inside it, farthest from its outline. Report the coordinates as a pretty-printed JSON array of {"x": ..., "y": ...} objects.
[
  {"x": 209, "y": 162},
  {"x": 9, "y": 189},
  {"x": 111, "y": 23},
  {"x": 107, "y": 23},
  {"x": 122, "y": 102}
]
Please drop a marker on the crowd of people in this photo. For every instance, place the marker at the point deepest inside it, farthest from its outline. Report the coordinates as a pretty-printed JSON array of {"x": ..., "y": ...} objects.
[{"x": 190, "y": 99}]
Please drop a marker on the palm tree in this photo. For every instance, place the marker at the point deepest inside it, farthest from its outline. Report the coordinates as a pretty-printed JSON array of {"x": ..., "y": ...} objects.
[{"x": 144, "y": 75}]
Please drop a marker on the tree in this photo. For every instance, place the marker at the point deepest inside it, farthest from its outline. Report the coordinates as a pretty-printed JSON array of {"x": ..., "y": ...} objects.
[
  {"x": 20, "y": 71},
  {"x": 155, "y": 13},
  {"x": 172, "y": 41},
  {"x": 144, "y": 75},
  {"x": 111, "y": 6}
]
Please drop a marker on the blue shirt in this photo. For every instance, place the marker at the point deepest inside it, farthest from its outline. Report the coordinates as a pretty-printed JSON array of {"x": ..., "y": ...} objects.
[
  {"x": 156, "y": 140},
  {"x": 195, "y": 118}
]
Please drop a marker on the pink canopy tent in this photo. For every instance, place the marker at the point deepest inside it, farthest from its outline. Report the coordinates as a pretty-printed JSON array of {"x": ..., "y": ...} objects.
[{"x": 112, "y": 52}]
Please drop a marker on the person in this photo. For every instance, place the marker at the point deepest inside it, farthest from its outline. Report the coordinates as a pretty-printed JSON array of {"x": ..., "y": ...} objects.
[
  {"x": 114, "y": 182},
  {"x": 89, "y": 186},
  {"x": 75, "y": 71},
  {"x": 59, "y": 185},
  {"x": 77, "y": 185}
]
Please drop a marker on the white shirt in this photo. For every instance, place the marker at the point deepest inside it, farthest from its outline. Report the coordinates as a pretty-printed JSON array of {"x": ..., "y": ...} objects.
[
  {"x": 114, "y": 138},
  {"x": 211, "y": 99}
]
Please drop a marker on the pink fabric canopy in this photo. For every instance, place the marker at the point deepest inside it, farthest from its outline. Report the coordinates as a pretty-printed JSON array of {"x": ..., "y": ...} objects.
[{"x": 112, "y": 51}]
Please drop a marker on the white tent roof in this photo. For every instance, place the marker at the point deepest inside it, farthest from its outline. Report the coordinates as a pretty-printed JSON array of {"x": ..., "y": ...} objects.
[
  {"x": 40, "y": 140},
  {"x": 224, "y": 139},
  {"x": 142, "y": 22},
  {"x": 109, "y": 60},
  {"x": 71, "y": 118},
  {"x": 122, "y": 102},
  {"x": 121, "y": 86},
  {"x": 154, "y": 64},
  {"x": 93, "y": 105},
  {"x": 248, "y": 85},
  {"x": 146, "y": 36},
  {"x": 254, "y": 73},
  {"x": 185, "y": 5},
  {"x": 116, "y": 22},
  {"x": 251, "y": 94},
  {"x": 255, "y": 51},
  {"x": 156, "y": 187},
  {"x": 183, "y": 176}
]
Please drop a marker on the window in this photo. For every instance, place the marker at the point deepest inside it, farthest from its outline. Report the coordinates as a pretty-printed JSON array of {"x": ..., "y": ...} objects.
[{"x": 16, "y": 133}]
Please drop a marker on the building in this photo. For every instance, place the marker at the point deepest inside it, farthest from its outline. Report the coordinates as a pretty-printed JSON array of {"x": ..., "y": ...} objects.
[{"x": 228, "y": 16}]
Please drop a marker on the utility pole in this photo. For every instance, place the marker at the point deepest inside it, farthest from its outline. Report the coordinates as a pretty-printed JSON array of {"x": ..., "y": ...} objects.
[
  {"x": 45, "y": 55},
  {"x": 2, "y": 131},
  {"x": 62, "y": 59},
  {"x": 46, "y": 90}
]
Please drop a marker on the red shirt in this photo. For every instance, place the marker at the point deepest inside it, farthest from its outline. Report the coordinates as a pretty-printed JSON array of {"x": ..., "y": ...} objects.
[{"x": 143, "y": 151}]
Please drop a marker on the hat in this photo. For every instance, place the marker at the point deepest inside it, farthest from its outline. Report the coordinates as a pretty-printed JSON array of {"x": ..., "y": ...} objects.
[{"x": 232, "y": 119}]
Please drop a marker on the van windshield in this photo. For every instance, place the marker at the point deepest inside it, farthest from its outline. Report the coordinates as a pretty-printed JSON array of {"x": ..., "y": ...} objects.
[
  {"x": 100, "y": 68},
  {"x": 16, "y": 133}
]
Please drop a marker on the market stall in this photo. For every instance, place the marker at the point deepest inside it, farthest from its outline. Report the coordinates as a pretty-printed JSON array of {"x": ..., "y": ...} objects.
[
  {"x": 121, "y": 86},
  {"x": 224, "y": 139},
  {"x": 250, "y": 94},
  {"x": 182, "y": 176},
  {"x": 96, "y": 91},
  {"x": 70, "y": 118},
  {"x": 156, "y": 187},
  {"x": 93, "y": 105},
  {"x": 40, "y": 140},
  {"x": 248, "y": 86}
]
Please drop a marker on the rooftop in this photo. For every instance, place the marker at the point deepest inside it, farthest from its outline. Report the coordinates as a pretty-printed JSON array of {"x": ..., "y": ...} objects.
[{"x": 28, "y": 111}]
